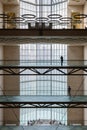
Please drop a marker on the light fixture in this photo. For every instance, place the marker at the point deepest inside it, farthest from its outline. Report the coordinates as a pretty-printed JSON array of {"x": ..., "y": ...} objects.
[
  {"x": 41, "y": 19},
  {"x": 54, "y": 16},
  {"x": 28, "y": 16},
  {"x": 65, "y": 19},
  {"x": 80, "y": 16}
]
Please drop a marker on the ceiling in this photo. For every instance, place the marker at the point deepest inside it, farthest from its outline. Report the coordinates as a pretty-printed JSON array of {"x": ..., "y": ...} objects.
[
  {"x": 70, "y": 2},
  {"x": 76, "y": 2},
  {"x": 44, "y": 2},
  {"x": 15, "y": 2}
]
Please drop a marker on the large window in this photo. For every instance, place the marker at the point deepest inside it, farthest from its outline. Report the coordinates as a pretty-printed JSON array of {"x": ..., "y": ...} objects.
[
  {"x": 43, "y": 85},
  {"x": 45, "y": 11}
]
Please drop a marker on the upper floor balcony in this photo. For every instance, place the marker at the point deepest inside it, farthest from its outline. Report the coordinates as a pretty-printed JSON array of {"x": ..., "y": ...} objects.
[{"x": 43, "y": 29}]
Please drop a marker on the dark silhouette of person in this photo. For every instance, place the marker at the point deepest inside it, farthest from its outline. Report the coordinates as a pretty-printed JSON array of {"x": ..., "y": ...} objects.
[
  {"x": 61, "y": 60},
  {"x": 28, "y": 122},
  {"x": 69, "y": 90}
]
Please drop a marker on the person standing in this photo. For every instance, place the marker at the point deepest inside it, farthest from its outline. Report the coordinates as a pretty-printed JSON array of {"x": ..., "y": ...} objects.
[
  {"x": 69, "y": 91},
  {"x": 61, "y": 60}
]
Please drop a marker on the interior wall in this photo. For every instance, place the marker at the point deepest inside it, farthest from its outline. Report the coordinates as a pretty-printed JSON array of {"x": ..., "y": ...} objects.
[
  {"x": 14, "y": 11},
  {"x": 1, "y": 85},
  {"x": 76, "y": 8},
  {"x": 1, "y": 12},
  {"x": 13, "y": 8},
  {"x": 75, "y": 115},
  {"x": 85, "y": 12},
  {"x": 11, "y": 85},
  {"x": 85, "y": 85},
  {"x": 85, "y": 7},
  {"x": 1, "y": 57}
]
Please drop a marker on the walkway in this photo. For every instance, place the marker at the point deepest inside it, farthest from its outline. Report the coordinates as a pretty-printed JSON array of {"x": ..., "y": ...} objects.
[
  {"x": 43, "y": 67},
  {"x": 43, "y": 101}
]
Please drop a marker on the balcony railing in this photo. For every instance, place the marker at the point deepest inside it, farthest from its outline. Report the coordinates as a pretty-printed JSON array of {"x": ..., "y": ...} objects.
[
  {"x": 43, "y": 63},
  {"x": 43, "y": 92},
  {"x": 44, "y": 122}
]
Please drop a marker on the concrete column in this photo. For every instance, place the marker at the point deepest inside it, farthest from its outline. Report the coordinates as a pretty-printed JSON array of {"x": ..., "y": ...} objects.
[
  {"x": 11, "y": 85},
  {"x": 1, "y": 84},
  {"x": 85, "y": 85},
  {"x": 1, "y": 12},
  {"x": 85, "y": 12},
  {"x": 75, "y": 116}
]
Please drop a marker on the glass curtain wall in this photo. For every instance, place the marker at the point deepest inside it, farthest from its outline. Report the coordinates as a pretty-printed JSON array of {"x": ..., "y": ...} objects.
[
  {"x": 43, "y": 85},
  {"x": 45, "y": 11}
]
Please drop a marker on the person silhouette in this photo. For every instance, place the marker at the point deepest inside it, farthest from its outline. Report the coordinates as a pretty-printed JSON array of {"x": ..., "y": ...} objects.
[
  {"x": 69, "y": 91},
  {"x": 61, "y": 60}
]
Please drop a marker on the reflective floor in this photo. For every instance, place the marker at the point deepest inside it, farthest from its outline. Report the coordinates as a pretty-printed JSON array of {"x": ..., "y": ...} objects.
[{"x": 43, "y": 127}]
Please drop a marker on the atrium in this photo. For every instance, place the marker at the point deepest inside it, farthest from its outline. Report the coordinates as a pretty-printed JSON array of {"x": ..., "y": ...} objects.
[{"x": 43, "y": 64}]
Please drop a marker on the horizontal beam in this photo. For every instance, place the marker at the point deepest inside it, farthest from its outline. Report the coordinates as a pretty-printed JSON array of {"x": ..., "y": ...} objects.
[
  {"x": 21, "y": 36},
  {"x": 43, "y": 102},
  {"x": 43, "y": 32},
  {"x": 43, "y": 70}
]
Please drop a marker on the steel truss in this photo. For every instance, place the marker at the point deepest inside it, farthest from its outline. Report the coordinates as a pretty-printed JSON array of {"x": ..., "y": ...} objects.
[
  {"x": 43, "y": 70},
  {"x": 43, "y": 105},
  {"x": 43, "y": 102}
]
